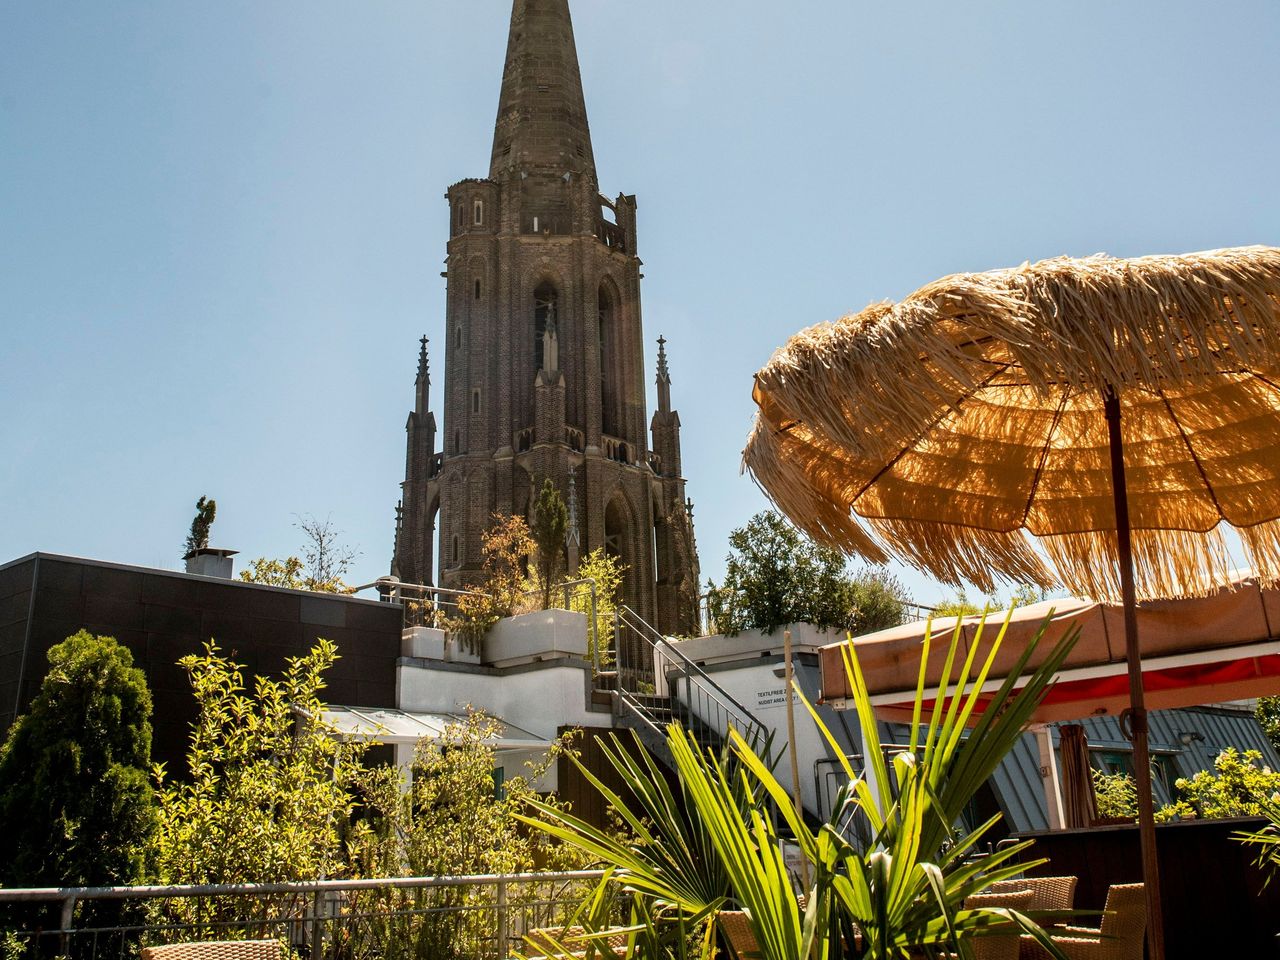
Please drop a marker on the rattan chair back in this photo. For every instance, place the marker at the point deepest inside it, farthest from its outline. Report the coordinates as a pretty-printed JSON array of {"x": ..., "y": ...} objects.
[{"x": 216, "y": 950}]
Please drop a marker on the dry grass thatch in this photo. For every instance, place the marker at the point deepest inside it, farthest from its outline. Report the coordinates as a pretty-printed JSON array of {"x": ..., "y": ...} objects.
[{"x": 944, "y": 428}]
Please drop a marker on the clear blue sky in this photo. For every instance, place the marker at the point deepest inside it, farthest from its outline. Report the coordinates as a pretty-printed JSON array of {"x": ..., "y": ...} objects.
[{"x": 222, "y": 224}]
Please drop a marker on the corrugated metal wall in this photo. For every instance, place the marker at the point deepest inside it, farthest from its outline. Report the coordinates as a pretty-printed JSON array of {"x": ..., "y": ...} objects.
[{"x": 1020, "y": 791}]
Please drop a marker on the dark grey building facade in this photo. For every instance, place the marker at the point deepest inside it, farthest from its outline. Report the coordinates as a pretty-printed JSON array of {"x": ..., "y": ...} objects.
[{"x": 162, "y": 616}]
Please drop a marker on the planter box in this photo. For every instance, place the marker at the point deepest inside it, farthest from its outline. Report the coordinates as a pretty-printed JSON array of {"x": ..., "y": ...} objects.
[
  {"x": 424, "y": 642},
  {"x": 453, "y": 653},
  {"x": 530, "y": 637},
  {"x": 749, "y": 644},
  {"x": 431, "y": 643}
]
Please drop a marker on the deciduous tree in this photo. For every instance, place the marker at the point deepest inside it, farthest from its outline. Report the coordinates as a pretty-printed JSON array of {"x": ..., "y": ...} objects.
[
  {"x": 268, "y": 787},
  {"x": 775, "y": 575}
]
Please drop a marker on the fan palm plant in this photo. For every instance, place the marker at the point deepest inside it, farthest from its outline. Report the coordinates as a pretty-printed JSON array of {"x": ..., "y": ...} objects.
[{"x": 900, "y": 896}]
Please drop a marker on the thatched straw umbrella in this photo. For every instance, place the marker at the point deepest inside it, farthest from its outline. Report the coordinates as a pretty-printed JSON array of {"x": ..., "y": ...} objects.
[{"x": 1121, "y": 412}]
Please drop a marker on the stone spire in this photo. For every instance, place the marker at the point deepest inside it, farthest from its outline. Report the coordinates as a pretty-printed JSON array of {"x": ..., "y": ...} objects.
[
  {"x": 423, "y": 381},
  {"x": 664, "y": 378},
  {"x": 542, "y": 115}
]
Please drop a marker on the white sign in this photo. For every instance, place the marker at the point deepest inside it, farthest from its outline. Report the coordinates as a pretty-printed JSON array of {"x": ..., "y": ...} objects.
[{"x": 776, "y": 697}]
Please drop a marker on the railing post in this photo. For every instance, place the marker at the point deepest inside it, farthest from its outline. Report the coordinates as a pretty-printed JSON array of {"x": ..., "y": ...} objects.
[
  {"x": 617, "y": 647},
  {"x": 317, "y": 926},
  {"x": 502, "y": 919},
  {"x": 64, "y": 923}
]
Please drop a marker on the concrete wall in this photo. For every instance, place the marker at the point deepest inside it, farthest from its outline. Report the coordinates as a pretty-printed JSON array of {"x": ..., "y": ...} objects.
[
  {"x": 542, "y": 697},
  {"x": 748, "y": 667}
]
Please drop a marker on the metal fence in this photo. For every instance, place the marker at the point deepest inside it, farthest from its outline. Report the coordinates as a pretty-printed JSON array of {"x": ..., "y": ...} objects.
[
  {"x": 427, "y": 606},
  {"x": 417, "y": 918}
]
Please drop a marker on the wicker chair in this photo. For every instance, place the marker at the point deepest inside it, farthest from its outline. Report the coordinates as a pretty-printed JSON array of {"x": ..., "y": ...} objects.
[
  {"x": 1003, "y": 946},
  {"x": 216, "y": 950},
  {"x": 1124, "y": 924},
  {"x": 1047, "y": 893},
  {"x": 736, "y": 927},
  {"x": 545, "y": 940}
]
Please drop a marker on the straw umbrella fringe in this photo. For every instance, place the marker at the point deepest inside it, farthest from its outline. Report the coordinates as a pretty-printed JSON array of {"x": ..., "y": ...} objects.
[{"x": 929, "y": 429}]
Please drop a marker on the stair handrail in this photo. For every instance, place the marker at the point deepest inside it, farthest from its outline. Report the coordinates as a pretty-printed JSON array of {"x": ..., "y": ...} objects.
[{"x": 724, "y": 699}]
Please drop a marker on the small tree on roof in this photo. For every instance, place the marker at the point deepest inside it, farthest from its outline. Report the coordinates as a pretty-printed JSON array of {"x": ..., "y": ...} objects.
[
  {"x": 198, "y": 538},
  {"x": 550, "y": 523}
]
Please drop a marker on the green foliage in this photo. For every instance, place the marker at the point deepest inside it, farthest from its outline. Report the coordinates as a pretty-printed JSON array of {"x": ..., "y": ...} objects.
[
  {"x": 1116, "y": 795},
  {"x": 1266, "y": 840},
  {"x": 454, "y": 819},
  {"x": 1239, "y": 786},
  {"x": 606, "y": 570},
  {"x": 326, "y": 562},
  {"x": 277, "y": 573},
  {"x": 269, "y": 788},
  {"x": 75, "y": 793},
  {"x": 961, "y": 606},
  {"x": 775, "y": 576},
  {"x": 506, "y": 545},
  {"x": 550, "y": 521},
  {"x": 904, "y": 891},
  {"x": 1268, "y": 714},
  {"x": 198, "y": 537},
  {"x": 877, "y": 600}
]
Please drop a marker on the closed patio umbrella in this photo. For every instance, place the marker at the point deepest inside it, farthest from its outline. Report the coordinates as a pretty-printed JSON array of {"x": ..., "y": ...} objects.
[
  {"x": 1078, "y": 799},
  {"x": 1092, "y": 422}
]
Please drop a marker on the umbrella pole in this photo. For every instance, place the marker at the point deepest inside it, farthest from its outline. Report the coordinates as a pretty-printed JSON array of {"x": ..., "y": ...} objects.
[{"x": 1137, "y": 732}]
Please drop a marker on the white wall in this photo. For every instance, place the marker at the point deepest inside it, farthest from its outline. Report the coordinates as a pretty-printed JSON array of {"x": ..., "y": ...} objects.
[
  {"x": 541, "y": 700},
  {"x": 744, "y": 667}
]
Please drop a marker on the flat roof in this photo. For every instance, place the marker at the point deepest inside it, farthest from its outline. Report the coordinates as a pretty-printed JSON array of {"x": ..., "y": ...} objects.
[
  {"x": 402, "y": 726},
  {"x": 183, "y": 575}
]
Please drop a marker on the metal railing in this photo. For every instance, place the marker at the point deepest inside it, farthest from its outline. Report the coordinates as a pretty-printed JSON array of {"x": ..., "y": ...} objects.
[
  {"x": 721, "y": 603},
  {"x": 416, "y": 918},
  {"x": 694, "y": 696},
  {"x": 425, "y": 605}
]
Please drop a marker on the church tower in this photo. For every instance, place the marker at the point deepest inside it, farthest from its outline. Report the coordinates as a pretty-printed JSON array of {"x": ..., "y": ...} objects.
[{"x": 544, "y": 354}]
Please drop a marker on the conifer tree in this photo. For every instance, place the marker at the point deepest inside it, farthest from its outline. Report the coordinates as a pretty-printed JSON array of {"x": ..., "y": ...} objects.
[
  {"x": 550, "y": 522},
  {"x": 76, "y": 799}
]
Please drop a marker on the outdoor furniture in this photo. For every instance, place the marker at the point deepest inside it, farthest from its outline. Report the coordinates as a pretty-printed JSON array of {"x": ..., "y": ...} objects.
[
  {"x": 216, "y": 950},
  {"x": 1047, "y": 893},
  {"x": 1002, "y": 946},
  {"x": 736, "y": 926},
  {"x": 1120, "y": 937},
  {"x": 546, "y": 940}
]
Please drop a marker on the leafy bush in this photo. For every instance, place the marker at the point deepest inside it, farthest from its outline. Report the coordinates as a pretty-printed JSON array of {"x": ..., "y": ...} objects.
[
  {"x": 1116, "y": 795},
  {"x": 1239, "y": 786},
  {"x": 550, "y": 521},
  {"x": 453, "y": 819},
  {"x": 776, "y": 576},
  {"x": 75, "y": 793},
  {"x": 270, "y": 788},
  {"x": 506, "y": 545}
]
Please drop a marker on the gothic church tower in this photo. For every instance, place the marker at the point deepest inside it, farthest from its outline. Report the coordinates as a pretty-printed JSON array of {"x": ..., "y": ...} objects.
[{"x": 544, "y": 354}]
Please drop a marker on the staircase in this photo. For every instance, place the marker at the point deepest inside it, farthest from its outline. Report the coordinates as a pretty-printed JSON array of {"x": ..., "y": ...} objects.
[{"x": 657, "y": 684}]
